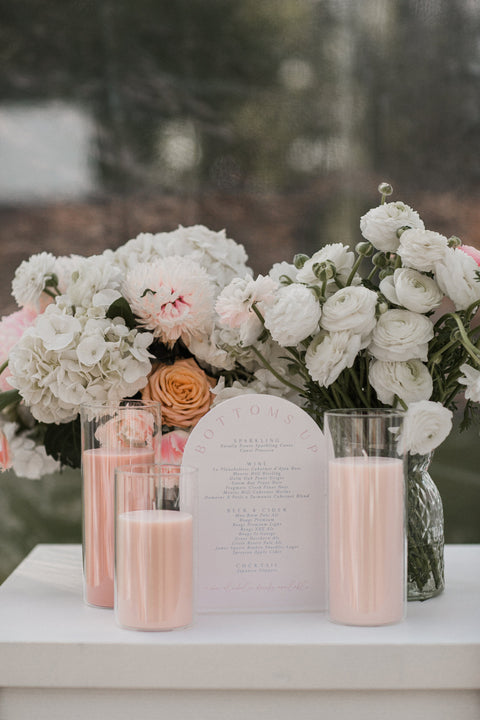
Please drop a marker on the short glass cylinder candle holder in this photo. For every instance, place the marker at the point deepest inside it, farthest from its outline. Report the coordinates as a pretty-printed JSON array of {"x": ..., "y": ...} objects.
[
  {"x": 112, "y": 435},
  {"x": 155, "y": 515},
  {"x": 366, "y": 517}
]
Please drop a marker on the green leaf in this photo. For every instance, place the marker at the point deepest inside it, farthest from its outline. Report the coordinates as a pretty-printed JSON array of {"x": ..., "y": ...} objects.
[
  {"x": 9, "y": 397},
  {"x": 121, "y": 308},
  {"x": 62, "y": 442}
]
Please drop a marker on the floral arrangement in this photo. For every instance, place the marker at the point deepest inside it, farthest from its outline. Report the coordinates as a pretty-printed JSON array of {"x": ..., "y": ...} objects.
[
  {"x": 401, "y": 335},
  {"x": 391, "y": 324},
  {"x": 135, "y": 322}
]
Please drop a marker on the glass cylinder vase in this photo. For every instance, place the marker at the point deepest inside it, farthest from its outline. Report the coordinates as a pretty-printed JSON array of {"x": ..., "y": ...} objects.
[
  {"x": 425, "y": 573},
  {"x": 366, "y": 517},
  {"x": 127, "y": 433},
  {"x": 155, "y": 516}
]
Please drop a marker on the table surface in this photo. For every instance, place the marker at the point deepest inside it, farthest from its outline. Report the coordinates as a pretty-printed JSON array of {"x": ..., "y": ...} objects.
[{"x": 50, "y": 638}]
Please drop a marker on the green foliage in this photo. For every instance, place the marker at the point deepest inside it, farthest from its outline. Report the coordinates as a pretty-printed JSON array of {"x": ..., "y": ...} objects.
[
  {"x": 63, "y": 443},
  {"x": 121, "y": 308}
]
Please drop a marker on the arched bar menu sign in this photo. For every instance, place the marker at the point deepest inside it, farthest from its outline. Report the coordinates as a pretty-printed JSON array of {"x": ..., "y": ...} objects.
[{"x": 262, "y": 507}]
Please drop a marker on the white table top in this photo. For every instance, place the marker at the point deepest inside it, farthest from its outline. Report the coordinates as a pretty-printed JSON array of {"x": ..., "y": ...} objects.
[{"x": 50, "y": 638}]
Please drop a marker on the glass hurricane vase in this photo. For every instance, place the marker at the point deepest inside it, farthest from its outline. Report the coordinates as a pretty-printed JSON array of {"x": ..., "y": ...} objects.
[{"x": 425, "y": 575}]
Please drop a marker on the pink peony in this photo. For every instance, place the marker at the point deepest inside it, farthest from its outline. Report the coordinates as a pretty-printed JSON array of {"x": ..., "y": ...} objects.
[
  {"x": 12, "y": 328},
  {"x": 172, "y": 297},
  {"x": 173, "y": 445},
  {"x": 471, "y": 251}
]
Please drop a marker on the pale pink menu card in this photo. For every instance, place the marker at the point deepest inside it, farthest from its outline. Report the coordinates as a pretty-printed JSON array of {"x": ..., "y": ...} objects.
[{"x": 262, "y": 507}]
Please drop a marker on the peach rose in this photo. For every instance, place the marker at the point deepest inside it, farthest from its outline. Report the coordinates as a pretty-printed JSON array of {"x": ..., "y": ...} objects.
[{"x": 183, "y": 389}]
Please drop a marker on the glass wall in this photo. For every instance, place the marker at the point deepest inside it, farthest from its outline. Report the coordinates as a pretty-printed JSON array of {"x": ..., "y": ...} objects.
[{"x": 275, "y": 120}]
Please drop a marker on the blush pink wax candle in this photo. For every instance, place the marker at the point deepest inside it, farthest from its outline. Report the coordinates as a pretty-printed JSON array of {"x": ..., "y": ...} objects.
[
  {"x": 98, "y": 468},
  {"x": 366, "y": 540},
  {"x": 154, "y": 569}
]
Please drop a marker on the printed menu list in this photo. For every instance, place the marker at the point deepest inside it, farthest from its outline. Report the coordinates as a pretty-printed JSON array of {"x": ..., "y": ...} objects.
[{"x": 262, "y": 512}]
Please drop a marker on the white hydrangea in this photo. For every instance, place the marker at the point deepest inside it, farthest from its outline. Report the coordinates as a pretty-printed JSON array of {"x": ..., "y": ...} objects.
[
  {"x": 425, "y": 427},
  {"x": 329, "y": 354},
  {"x": 471, "y": 380},
  {"x": 380, "y": 225},
  {"x": 30, "y": 279},
  {"x": 25, "y": 457},
  {"x": 401, "y": 335},
  {"x": 410, "y": 381},
  {"x": 422, "y": 249},
  {"x": 64, "y": 360},
  {"x": 412, "y": 289},
  {"x": 457, "y": 275},
  {"x": 340, "y": 255},
  {"x": 351, "y": 308},
  {"x": 293, "y": 316}
]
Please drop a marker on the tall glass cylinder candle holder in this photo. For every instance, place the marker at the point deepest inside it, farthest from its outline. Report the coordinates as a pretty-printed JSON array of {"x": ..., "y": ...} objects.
[
  {"x": 366, "y": 517},
  {"x": 127, "y": 433},
  {"x": 155, "y": 512}
]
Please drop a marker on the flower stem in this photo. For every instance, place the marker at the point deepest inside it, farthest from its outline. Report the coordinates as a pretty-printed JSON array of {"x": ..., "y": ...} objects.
[
  {"x": 274, "y": 372},
  {"x": 3, "y": 367}
]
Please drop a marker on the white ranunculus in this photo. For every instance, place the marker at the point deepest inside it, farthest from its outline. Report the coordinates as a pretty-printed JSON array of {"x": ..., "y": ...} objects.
[
  {"x": 401, "y": 335},
  {"x": 350, "y": 308},
  {"x": 30, "y": 278},
  {"x": 412, "y": 289},
  {"x": 471, "y": 380},
  {"x": 425, "y": 427},
  {"x": 283, "y": 268},
  {"x": 293, "y": 315},
  {"x": 457, "y": 276},
  {"x": 330, "y": 353},
  {"x": 410, "y": 381},
  {"x": 379, "y": 225},
  {"x": 422, "y": 249},
  {"x": 340, "y": 255}
]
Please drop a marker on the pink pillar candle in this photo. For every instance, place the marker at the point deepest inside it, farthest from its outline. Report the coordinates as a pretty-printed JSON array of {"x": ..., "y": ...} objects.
[
  {"x": 366, "y": 541},
  {"x": 98, "y": 470},
  {"x": 154, "y": 569}
]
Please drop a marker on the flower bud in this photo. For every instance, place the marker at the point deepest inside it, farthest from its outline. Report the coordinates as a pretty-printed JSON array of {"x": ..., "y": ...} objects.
[
  {"x": 385, "y": 273},
  {"x": 299, "y": 260},
  {"x": 364, "y": 248},
  {"x": 454, "y": 241},
  {"x": 385, "y": 189},
  {"x": 401, "y": 230},
  {"x": 379, "y": 260}
]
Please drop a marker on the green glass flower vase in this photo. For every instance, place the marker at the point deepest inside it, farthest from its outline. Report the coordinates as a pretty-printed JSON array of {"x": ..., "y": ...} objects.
[{"x": 425, "y": 571}]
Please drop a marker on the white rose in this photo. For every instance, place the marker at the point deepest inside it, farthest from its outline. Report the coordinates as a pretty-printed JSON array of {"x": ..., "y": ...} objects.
[
  {"x": 422, "y": 249},
  {"x": 410, "y": 381},
  {"x": 412, "y": 289},
  {"x": 471, "y": 379},
  {"x": 351, "y": 308},
  {"x": 425, "y": 427},
  {"x": 379, "y": 225},
  {"x": 293, "y": 316},
  {"x": 336, "y": 253},
  {"x": 401, "y": 335},
  {"x": 457, "y": 276},
  {"x": 330, "y": 353}
]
